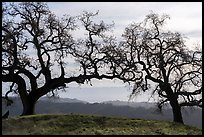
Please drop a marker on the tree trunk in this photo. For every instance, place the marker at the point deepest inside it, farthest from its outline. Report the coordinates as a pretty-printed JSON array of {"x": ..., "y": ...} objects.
[
  {"x": 175, "y": 105},
  {"x": 177, "y": 116},
  {"x": 176, "y": 111},
  {"x": 28, "y": 106},
  {"x": 28, "y": 109}
]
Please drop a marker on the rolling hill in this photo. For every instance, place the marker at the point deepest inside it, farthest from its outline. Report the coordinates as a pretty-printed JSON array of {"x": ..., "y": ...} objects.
[
  {"x": 191, "y": 116},
  {"x": 74, "y": 124}
]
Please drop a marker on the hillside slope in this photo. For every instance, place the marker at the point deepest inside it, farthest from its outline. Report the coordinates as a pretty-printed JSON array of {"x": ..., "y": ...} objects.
[
  {"x": 191, "y": 115},
  {"x": 91, "y": 125}
]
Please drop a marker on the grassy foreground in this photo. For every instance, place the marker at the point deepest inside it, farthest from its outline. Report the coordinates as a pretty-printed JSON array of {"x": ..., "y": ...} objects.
[{"x": 91, "y": 125}]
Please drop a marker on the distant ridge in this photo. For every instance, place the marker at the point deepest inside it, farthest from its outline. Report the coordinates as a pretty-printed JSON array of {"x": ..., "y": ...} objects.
[
  {"x": 191, "y": 115},
  {"x": 63, "y": 100}
]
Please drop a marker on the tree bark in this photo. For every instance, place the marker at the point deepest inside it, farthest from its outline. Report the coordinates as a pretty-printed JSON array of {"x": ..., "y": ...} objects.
[
  {"x": 176, "y": 111},
  {"x": 28, "y": 109},
  {"x": 177, "y": 116},
  {"x": 28, "y": 106}
]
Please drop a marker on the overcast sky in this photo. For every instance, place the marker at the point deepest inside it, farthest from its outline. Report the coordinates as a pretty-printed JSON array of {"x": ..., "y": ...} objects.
[{"x": 186, "y": 18}]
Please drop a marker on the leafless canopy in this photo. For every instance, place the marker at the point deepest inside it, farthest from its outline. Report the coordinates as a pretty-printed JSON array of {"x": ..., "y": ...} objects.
[
  {"x": 161, "y": 57},
  {"x": 35, "y": 42}
]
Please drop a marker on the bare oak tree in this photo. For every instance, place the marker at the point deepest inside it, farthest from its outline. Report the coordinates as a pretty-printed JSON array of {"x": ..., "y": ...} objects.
[
  {"x": 161, "y": 58},
  {"x": 35, "y": 43},
  {"x": 33, "y": 40}
]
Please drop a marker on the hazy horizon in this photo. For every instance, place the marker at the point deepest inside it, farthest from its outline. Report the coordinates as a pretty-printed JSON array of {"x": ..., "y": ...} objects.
[{"x": 102, "y": 94}]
